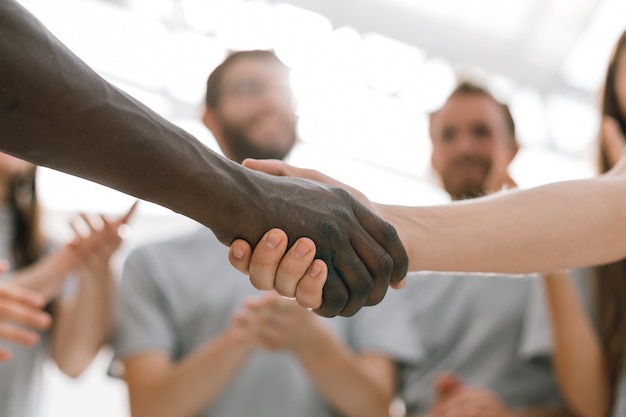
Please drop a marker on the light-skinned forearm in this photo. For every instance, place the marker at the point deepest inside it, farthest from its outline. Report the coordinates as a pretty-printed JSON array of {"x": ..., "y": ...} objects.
[
  {"x": 577, "y": 354},
  {"x": 48, "y": 274},
  {"x": 342, "y": 376},
  {"x": 83, "y": 322},
  {"x": 548, "y": 228},
  {"x": 190, "y": 386}
]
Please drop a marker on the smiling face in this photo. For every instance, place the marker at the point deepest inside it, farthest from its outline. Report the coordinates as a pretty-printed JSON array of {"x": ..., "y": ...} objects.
[
  {"x": 255, "y": 116},
  {"x": 466, "y": 134}
]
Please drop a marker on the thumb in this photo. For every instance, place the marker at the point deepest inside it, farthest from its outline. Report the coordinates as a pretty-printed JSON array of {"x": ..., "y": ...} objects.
[{"x": 269, "y": 166}]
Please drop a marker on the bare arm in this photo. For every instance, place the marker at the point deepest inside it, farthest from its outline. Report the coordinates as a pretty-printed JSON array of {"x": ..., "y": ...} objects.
[
  {"x": 557, "y": 226},
  {"x": 83, "y": 320},
  {"x": 56, "y": 112},
  {"x": 159, "y": 387},
  {"x": 48, "y": 274},
  {"x": 356, "y": 384},
  {"x": 578, "y": 355}
]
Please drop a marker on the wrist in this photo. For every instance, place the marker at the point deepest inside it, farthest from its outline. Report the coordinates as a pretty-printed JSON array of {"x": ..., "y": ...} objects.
[
  {"x": 235, "y": 194},
  {"x": 312, "y": 339}
]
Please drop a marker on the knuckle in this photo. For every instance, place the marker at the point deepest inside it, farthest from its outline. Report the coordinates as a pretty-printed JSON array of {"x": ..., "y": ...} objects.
[
  {"x": 362, "y": 290},
  {"x": 385, "y": 266},
  {"x": 260, "y": 283}
]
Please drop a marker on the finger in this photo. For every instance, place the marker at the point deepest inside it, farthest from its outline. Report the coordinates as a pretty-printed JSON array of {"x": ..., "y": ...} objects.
[
  {"x": 239, "y": 255},
  {"x": 129, "y": 214},
  {"x": 24, "y": 315},
  {"x": 89, "y": 222},
  {"x": 22, "y": 295},
  {"x": 269, "y": 166},
  {"x": 4, "y": 266},
  {"x": 266, "y": 259},
  {"x": 356, "y": 279},
  {"x": 294, "y": 266},
  {"x": 334, "y": 294},
  {"x": 18, "y": 335},
  {"x": 380, "y": 264},
  {"x": 77, "y": 232},
  {"x": 311, "y": 286},
  {"x": 387, "y": 237},
  {"x": 398, "y": 285}
]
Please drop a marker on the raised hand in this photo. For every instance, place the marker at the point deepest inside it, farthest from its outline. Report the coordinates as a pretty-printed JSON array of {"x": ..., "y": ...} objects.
[
  {"x": 21, "y": 316},
  {"x": 363, "y": 253},
  {"x": 94, "y": 248},
  {"x": 279, "y": 323}
]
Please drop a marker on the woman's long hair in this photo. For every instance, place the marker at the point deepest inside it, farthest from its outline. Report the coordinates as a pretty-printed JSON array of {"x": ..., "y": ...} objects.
[
  {"x": 610, "y": 280},
  {"x": 27, "y": 242}
]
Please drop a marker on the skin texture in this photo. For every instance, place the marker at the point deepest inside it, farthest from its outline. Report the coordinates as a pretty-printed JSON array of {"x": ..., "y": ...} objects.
[
  {"x": 560, "y": 226},
  {"x": 56, "y": 112}
]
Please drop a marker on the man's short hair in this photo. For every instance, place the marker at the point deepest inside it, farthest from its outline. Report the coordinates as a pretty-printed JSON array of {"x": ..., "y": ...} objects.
[
  {"x": 470, "y": 88},
  {"x": 213, "y": 85}
]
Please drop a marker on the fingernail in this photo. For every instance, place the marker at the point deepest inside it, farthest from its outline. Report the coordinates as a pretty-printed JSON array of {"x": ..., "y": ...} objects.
[
  {"x": 301, "y": 250},
  {"x": 315, "y": 270},
  {"x": 272, "y": 240},
  {"x": 237, "y": 253}
]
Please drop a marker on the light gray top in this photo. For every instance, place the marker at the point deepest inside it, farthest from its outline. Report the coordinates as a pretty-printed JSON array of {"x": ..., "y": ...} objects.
[
  {"x": 484, "y": 328},
  {"x": 20, "y": 379},
  {"x": 177, "y": 295}
]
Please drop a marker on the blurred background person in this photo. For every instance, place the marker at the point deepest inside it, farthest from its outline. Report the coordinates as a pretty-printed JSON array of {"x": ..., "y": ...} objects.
[
  {"x": 80, "y": 311},
  {"x": 590, "y": 351},
  {"x": 196, "y": 339},
  {"x": 474, "y": 335}
]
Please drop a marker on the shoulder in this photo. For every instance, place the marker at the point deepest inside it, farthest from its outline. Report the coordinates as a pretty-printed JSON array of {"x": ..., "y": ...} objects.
[{"x": 200, "y": 243}]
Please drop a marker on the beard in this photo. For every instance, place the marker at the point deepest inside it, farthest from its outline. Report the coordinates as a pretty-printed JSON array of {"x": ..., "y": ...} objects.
[
  {"x": 465, "y": 187},
  {"x": 241, "y": 146}
]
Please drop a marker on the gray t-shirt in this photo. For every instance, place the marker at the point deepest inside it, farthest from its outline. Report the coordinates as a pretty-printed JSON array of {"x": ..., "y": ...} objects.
[
  {"x": 478, "y": 328},
  {"x": 177, "y": 295},
  {"x": 20, "y": 378}
]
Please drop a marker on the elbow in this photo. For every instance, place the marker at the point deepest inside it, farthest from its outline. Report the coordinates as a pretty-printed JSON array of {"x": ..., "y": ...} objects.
[
  {"x": 74, "y": 364},
  {"x": 72, "y": 370},
  {"x": 72, "y": 367}
]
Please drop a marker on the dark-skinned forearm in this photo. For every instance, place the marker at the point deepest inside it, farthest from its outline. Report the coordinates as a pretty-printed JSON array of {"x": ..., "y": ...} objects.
[{"x": 55, "y": 111}]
